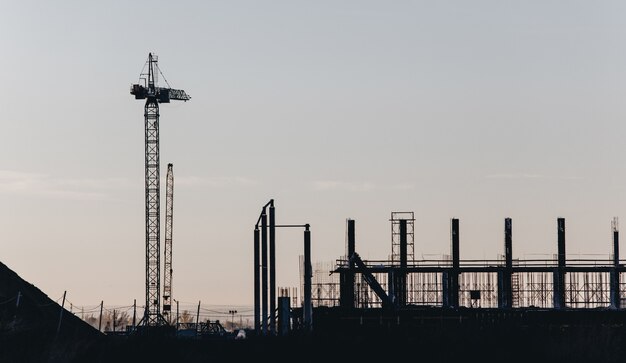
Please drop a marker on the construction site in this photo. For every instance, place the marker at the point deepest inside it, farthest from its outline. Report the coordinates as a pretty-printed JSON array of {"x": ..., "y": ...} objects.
[{"x": 448, "y": 309}]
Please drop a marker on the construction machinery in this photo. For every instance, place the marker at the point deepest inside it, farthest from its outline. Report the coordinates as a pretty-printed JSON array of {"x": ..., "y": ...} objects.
[
  {"x": 167, "y": 265},
  {"x": 148, "y": 89}
]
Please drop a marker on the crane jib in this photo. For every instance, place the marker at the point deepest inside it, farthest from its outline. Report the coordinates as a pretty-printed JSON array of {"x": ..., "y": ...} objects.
[{"x": 163, "y": 95}]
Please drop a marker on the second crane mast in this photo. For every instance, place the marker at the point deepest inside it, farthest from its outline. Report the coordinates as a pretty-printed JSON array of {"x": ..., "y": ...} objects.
[{"x": 167, "y": 266}]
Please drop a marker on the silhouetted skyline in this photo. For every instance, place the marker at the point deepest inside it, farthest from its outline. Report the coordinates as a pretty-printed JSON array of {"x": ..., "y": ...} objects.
[{"x": 476, "y": 110}]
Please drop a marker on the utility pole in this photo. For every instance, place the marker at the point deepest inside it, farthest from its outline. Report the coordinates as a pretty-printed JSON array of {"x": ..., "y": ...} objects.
[
  {"x": 100, "y": 320},
  {"x": 232, "y": 318},
  {"x": 134, "y": 312},
  {"x": 61, "y": 313},
  {"x": 176, "y": 314},
  {"x": 198, "y": 318}
]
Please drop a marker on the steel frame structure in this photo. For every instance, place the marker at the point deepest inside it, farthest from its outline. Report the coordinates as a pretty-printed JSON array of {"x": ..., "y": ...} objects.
[
  {"x": 587, "y": 283},
  {"x": 152, "y": 315},
  {"x": 396, "y": 217},
  {"x": 153, "y": 96},
  {"x": 167, "y": 265}
]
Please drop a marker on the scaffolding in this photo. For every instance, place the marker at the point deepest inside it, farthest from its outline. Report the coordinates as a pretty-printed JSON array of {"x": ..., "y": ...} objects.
[
  {"x": 550, "y": 282},
  {"x": 396, "y": 217},
  {"x": 587, "y": 285}
]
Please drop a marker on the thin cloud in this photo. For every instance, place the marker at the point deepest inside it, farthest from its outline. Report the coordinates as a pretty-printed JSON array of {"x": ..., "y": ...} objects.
[
  {"x": 44, "y": 185},
  {"x": 213, "y": 182},
  {"x": 529, "y": 176},
  {"x": 515, "y": 176},
  {"x": 331, "y": 185},
  {"x": 346, "y": 186},
  {"x": 402, "y": 186}
]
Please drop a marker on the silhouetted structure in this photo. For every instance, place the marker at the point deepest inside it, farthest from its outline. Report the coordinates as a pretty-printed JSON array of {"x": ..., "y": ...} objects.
[
  {"x": 261, "y": 289},
  {"x": 167, "y": 265},
  {"x": 452, "y": 283},
  {"x": 153, "y": 95}
]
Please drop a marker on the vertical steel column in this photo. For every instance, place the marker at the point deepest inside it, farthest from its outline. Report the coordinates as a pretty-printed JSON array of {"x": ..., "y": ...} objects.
[
  {"x": 615, "y": 273},
  {"x": 272, "y": 269},
  {"x": 308, "y": 274},
  {"x": 346, "y": 289},
  {"x": 351, "y": 238},
  {"x": 257, "y": 283},
  {"x": 392, "y": 282},
  {"x": 505, "y": 292},
  {"x": 615, "y": 244},
  {"x": 445, "y": 287},
  {"x": 264, "y": 272},
  {"x": 453, "y": 286},
  {"x": 401, "y": 287},
  {"x": 559, "y": 275}
]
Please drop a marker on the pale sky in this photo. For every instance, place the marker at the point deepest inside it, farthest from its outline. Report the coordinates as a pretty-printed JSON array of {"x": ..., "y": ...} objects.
[{"x": 478, "y": 110}]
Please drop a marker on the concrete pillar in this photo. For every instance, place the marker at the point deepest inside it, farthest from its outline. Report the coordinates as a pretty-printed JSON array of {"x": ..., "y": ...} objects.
[
  {"x": 346, "y": 288},
  {"x": 401, "y": 286},
  {"x": 615, "y": 273},
  {"x": 451, "y": 278},
  {"x": 264, "y": 287},
  {"x": 505, "y": 293},
  {"x": 308, "y": 274},
  {"x": 272, "y": 235},
  {"x": 559, "y": 273},
  {"x": 257, "y": 283}
]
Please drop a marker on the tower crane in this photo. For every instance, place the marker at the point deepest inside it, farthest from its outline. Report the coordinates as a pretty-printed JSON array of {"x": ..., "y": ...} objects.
[
  {"x": 148, "y": 89},
  {"x": 167, "y": 265}
]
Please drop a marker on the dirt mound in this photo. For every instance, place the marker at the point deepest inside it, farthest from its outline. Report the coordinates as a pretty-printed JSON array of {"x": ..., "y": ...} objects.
[{"x": 32, "y": 327}]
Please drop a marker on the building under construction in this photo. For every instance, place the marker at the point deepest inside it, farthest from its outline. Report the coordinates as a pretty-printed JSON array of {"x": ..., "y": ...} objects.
[
  {"x": 556, "y": 304},
  {"x": 451, "y": 282}
]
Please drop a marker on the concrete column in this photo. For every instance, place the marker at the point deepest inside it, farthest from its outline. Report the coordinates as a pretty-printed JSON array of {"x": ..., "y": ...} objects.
[
  {"x": 264, "y": 287},
  {"x": 346, "y": 288},
  {"x": 559, "y": 273},
  {"x": 308, "y": 274},
  {"x": 403, "y": 263},
  {"x": 615, "y": 273},
  {"x": 505, "y": 293},
  {"x": 453, "y": 275},
  {"x": 257, "y": 283},
  {"x": 272, "y": 235}
]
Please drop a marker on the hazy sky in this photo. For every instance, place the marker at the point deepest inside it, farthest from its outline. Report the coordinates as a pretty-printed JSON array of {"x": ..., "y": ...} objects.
[{"x": 478, "y": 110}]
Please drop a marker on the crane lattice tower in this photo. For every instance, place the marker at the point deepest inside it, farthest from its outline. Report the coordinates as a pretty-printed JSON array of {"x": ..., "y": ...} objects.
[
  {"x": 167, "y": 265},
  {"x": 148, "y": 89}
]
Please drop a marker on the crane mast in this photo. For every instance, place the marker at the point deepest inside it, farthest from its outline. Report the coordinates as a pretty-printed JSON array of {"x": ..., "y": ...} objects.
[
  {"x": 167, "y": 266},
  {"x": 153, "y": 95}
]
